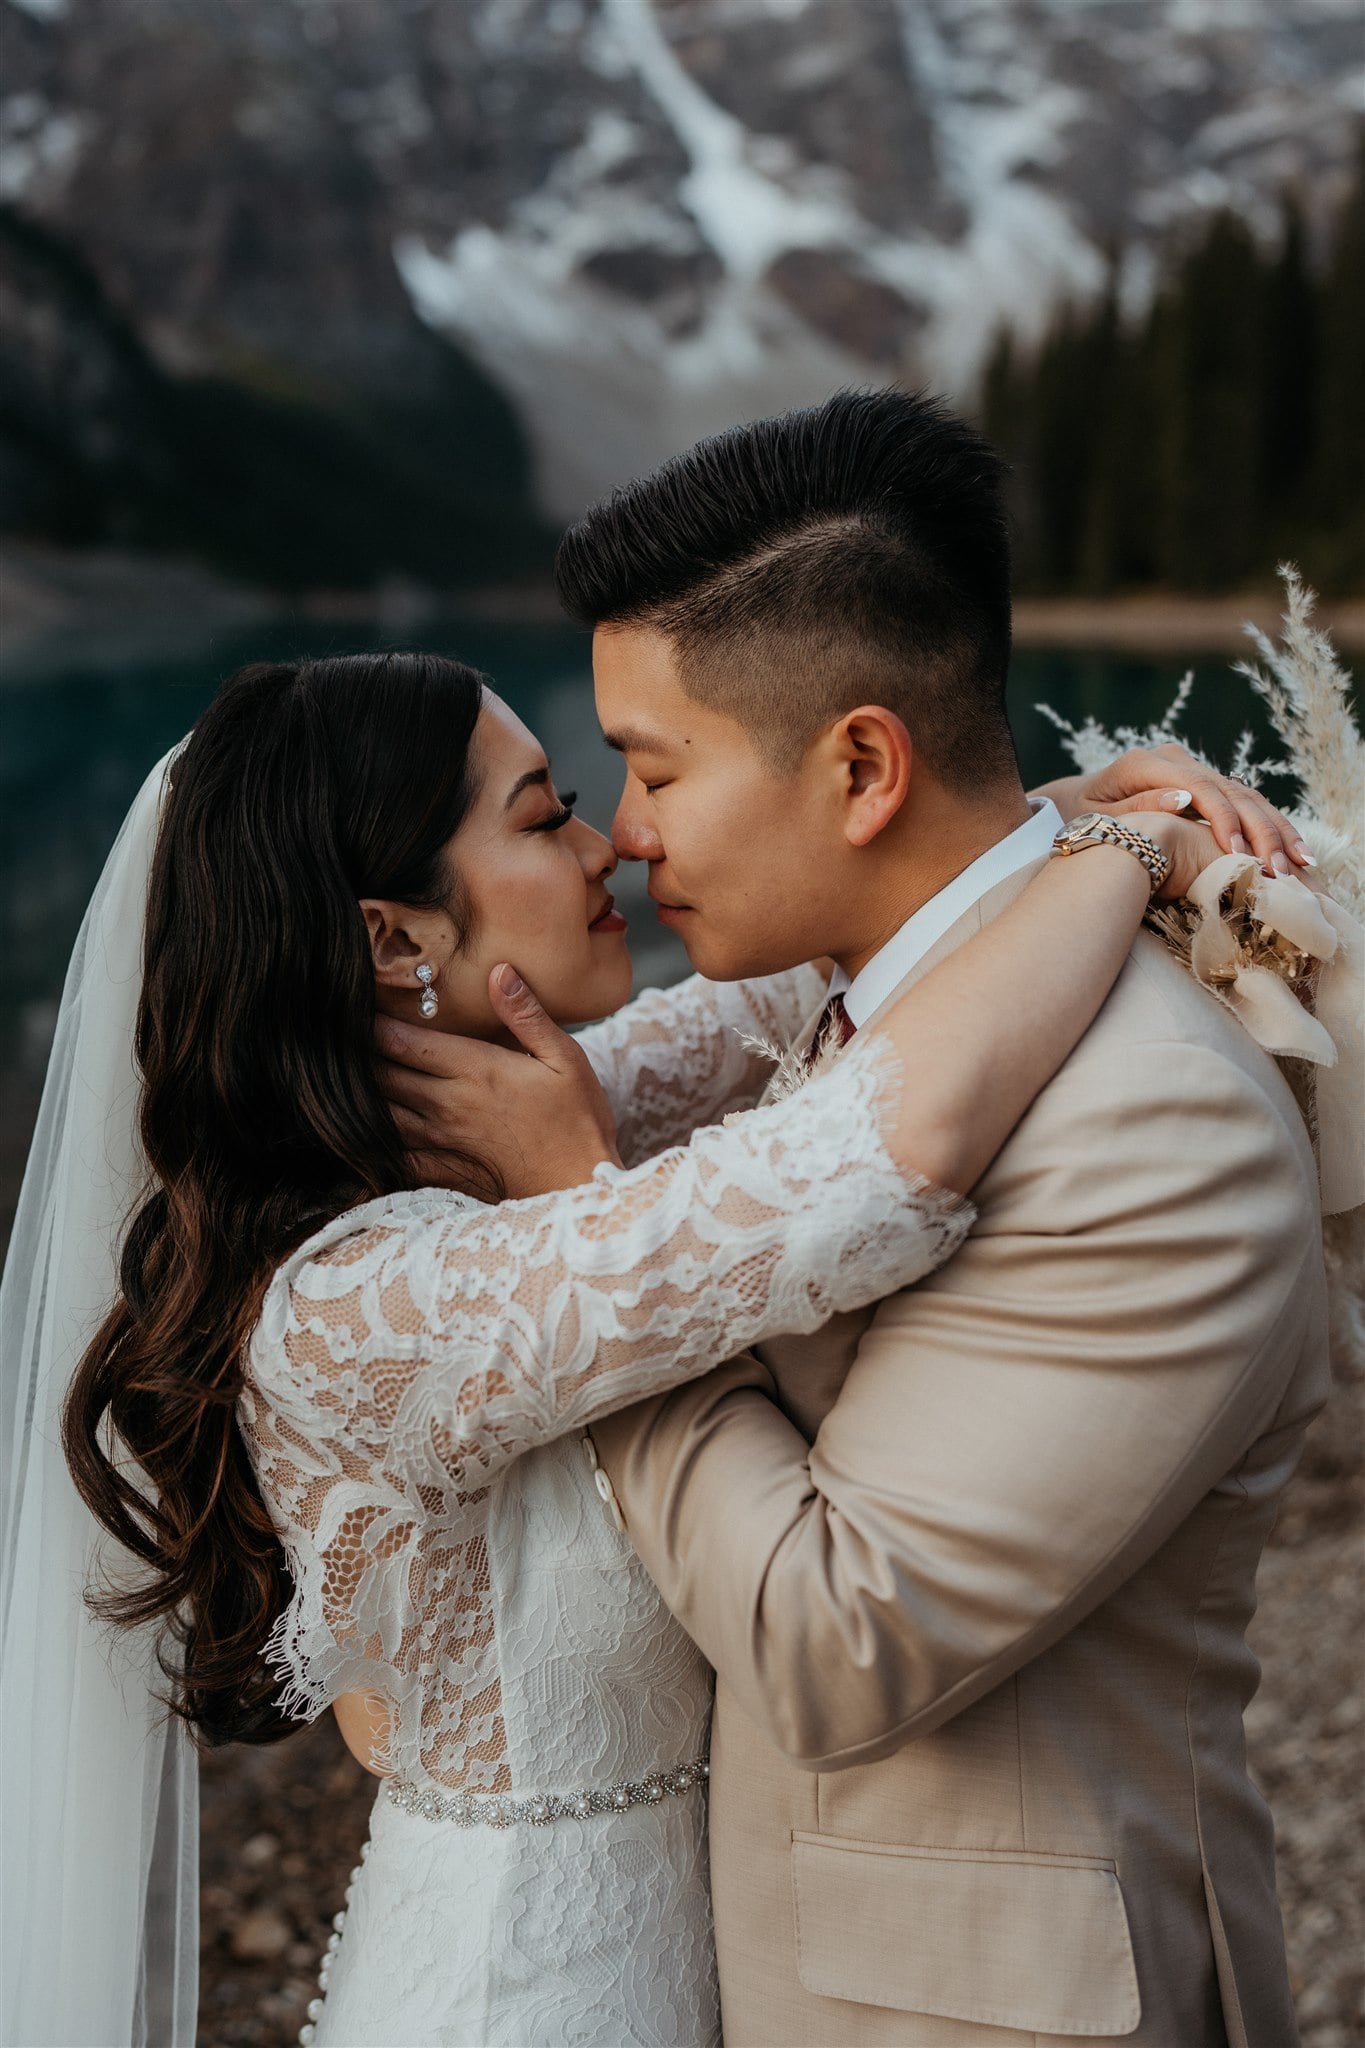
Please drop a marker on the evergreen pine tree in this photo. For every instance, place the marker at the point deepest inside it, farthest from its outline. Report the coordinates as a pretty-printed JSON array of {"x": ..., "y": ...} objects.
[
  {"x": 1199, "y": 446},
  {"x": 1209, "y": 532},
  {"x": 1334, "y": 551},
  {"x": 1289, "y": 372}
]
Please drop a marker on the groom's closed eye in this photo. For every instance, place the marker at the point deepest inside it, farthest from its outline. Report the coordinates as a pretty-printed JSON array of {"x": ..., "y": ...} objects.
[
  {"x": 629, "y": 742},
  {"x": 646, "y": 753}
]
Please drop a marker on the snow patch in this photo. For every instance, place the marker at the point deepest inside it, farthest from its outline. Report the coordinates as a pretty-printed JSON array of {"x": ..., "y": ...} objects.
[
  {"x": 37, "y": 146},
  {"x": 608, "y": 383},
  {"x": 602, "y": 392},
  {"x": 745, "y": 214}
]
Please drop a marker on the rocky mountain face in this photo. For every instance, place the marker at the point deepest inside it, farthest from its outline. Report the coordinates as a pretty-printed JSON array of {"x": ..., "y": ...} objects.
[{"x": 609, "y": 225}]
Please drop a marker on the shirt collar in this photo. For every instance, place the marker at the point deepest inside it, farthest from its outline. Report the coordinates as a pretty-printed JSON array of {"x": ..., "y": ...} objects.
[{"x": 887, "y": 969}]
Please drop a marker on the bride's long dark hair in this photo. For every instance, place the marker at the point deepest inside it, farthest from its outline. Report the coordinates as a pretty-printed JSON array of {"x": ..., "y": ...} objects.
[{"x": 303, "y": 787}]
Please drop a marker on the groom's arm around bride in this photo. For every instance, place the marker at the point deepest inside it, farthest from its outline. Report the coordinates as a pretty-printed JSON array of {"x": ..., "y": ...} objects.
[{"x": 978, "y": 1615}]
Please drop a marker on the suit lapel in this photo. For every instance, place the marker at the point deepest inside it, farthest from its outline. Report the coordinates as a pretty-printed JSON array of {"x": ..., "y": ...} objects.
[{"x": 972, "y": 920}]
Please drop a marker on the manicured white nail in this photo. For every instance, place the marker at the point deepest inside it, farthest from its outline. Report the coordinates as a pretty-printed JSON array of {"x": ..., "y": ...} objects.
[
  {"x": 1177, "y": 799},
  {"x": 1239, "y": 845},
  {"x": 1280, "y": 862},
  {"x": 1305, "y": 857}
]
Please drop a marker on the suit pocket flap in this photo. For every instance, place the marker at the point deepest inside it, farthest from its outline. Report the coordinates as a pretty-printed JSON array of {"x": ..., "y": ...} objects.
[{"x": 996, "y": 1938}]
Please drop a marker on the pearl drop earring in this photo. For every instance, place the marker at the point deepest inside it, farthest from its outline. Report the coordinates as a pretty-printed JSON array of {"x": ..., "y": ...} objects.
[{"x": 426, "y": 975}]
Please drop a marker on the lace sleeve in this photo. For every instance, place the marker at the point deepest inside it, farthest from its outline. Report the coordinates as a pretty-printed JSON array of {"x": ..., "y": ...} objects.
[
  {"x": 438, "y": 1339},
  {"x": 418, "y": 1345},
  {"x": 676, "y": 1058}
]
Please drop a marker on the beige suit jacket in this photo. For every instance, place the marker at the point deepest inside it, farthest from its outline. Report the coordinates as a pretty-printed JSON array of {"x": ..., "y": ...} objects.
[{"x": 975, "y": 1569}]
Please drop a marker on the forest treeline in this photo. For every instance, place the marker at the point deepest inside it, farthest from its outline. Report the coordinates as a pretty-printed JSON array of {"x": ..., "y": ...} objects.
[
  {"x": 253, "y": 467},
  {"x": 1193, "y": 448},
  {"x": 1200, "y": 445}
]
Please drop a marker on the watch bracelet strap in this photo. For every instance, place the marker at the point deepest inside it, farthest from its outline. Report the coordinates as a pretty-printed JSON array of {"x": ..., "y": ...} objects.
[{"x": 1113, "y": 832}]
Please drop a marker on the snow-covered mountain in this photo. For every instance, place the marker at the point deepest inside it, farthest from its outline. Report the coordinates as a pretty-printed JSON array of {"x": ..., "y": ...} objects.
[{"x": 646, "y": 217}]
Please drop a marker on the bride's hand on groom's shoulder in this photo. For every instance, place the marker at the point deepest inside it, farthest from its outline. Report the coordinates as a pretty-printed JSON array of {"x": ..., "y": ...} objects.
[
  {"x": 1190, "y": 845},
  {"x": 1154, "y": 778},
  {"x": 538, "y": 1116}
]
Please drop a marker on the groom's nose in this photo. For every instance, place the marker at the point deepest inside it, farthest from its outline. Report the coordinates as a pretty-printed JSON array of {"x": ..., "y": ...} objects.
[{"x": 633, "y": 833}]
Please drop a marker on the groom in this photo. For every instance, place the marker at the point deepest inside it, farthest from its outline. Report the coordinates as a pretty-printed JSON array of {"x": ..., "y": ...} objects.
[{"x": 974, "y": 1569}]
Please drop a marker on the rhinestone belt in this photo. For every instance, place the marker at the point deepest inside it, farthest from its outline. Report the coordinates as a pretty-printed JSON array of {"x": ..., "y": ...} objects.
[{"x": 499, "y": 1810}]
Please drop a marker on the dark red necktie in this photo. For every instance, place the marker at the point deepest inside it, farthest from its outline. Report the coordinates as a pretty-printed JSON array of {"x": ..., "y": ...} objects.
[{"x": 836, "y": 1027}]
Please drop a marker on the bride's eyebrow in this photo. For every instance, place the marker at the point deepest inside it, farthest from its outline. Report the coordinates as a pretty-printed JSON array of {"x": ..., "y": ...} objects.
[{"x": 529, "y": 780}]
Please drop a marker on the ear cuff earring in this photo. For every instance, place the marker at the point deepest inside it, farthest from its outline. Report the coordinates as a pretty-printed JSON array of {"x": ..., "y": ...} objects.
[{"x": 426, "y": 975}]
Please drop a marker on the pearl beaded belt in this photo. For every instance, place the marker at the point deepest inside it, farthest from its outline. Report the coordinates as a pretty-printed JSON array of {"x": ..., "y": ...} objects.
[{"x": 499, "y": 1810}]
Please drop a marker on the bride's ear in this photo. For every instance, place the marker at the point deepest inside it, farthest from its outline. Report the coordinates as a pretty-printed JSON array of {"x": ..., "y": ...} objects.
[{"x": 399, "y": 940}]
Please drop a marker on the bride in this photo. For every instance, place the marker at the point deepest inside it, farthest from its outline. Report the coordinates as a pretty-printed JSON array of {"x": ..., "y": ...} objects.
[{"x": 327, "y": 1424}]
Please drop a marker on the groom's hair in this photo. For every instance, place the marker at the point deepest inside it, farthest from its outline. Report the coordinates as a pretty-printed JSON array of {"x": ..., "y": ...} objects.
[{"x": 855, "y": 552}]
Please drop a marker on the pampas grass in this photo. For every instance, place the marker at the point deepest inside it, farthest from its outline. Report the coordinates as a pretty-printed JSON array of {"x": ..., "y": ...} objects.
[
  {"x": 791, "y": 1069},
  {"x": 1307, "y": 693}
]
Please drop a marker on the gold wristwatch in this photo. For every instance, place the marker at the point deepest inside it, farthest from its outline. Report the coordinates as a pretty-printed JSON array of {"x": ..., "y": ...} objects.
[{"x": 1095, "y": 829}]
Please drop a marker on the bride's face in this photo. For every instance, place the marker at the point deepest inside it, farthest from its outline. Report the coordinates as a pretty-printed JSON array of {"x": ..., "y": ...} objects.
[{"x": 529, "y": 887}]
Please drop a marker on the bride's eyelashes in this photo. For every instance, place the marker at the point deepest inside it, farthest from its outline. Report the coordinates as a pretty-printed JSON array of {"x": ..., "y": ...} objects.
[{"x": 560, "y": 818}]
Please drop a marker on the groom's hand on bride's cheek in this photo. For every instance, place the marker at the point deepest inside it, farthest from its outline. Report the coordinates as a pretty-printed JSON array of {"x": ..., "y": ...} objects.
[
  {"x": 542, "y": 1123},
  {"x": 424, "y": 1088},
  {"x": 424, "y": 1077}
]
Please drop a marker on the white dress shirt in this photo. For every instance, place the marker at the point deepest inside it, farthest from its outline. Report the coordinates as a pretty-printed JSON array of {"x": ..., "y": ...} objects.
[{"x": 887, "y": 969}]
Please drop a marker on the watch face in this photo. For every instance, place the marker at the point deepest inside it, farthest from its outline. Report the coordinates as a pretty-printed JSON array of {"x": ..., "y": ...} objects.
[{"x": 1079, "y": 831}]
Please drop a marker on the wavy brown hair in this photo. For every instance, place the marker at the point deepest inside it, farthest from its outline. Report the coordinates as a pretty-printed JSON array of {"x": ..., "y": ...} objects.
[{"x": 304, "y": 787}]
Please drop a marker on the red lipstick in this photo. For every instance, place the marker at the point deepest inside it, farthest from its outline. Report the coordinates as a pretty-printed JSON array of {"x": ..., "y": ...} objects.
[{"x": 608, "y": 919}]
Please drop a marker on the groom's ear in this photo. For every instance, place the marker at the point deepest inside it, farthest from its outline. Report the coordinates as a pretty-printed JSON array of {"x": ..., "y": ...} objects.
[
  {"x": 875, "y": 757},
  {"x": 395, "y": 947}
]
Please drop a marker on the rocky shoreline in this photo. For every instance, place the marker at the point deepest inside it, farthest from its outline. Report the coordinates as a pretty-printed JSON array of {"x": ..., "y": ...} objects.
[
  {"x": 1165, "y": 622},
  {"x": 52, "y": 598}
]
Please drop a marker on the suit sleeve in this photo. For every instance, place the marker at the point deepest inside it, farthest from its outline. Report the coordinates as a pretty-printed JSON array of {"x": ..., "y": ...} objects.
[{"x": 1016, "y": 1436}]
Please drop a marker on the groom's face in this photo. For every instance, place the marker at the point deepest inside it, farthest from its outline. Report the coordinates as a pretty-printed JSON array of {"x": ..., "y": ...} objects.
[{"x": 749, "y": 867}]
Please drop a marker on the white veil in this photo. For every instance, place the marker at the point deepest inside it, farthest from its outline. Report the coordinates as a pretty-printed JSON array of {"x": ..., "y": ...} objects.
[{"x": 98, "y": 1784}]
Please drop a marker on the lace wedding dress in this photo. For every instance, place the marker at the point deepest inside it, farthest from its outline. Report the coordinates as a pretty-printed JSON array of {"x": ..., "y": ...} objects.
[{"x": 418, "y": 1388}]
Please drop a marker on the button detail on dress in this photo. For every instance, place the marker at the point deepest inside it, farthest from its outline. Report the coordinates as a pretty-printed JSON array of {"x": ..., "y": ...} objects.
[{"x": 608, "y": 1492}]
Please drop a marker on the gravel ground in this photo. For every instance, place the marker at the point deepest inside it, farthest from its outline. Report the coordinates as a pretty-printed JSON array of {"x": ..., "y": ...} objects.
[
  {"x": 1306, "y": 1725},
  {"x": 283, "y": 1826}
]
